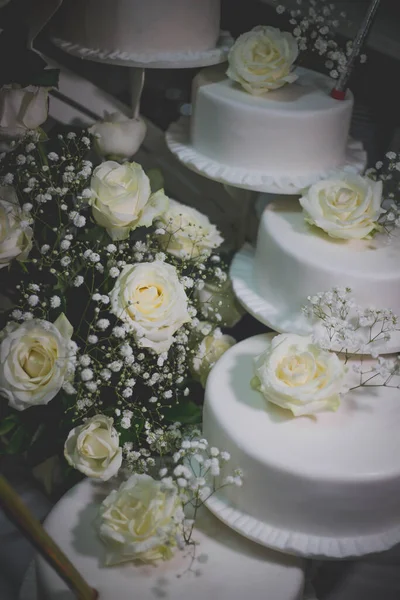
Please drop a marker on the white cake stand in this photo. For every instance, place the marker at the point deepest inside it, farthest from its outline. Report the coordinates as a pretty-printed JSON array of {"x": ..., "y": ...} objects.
[
  {"x": 268, "y": 312},
  {"x": 179, "y": 143},
  {"x": 160, "y": 60}
]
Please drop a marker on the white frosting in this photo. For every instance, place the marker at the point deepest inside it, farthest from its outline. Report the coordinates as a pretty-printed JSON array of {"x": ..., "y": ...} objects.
[
  {"x": 178, "y": 141},
  {"x": 294, "y": 260},
  {"x": 297, "y": 130},
  {"x": 137, "y": 26},
  {"x": 327, "y": 485},
  {"x": 224, "y": 561}
]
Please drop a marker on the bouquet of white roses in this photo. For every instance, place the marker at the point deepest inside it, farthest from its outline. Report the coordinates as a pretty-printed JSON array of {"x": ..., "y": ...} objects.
[{"x": 118, "y": 296}]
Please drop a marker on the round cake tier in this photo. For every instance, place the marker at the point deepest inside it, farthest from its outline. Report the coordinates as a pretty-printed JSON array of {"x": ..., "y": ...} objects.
[
  {"x": 297, "y": 130},
  {"x": 152, "y": 27},
  {"x": 295, "y": 260},
  {"x": 327, "y": 485},
  {"x": 224, "y": 561}
]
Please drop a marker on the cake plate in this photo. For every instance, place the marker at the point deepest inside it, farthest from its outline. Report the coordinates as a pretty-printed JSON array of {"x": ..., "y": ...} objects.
[
  {"x": 269, "y": 313},
  {"x": 158, "y": 60},
  {"x": 179, "y": 143}
]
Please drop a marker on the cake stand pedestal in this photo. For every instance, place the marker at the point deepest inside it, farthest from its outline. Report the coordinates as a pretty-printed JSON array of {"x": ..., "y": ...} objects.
[{"x": 138, "y": 62}]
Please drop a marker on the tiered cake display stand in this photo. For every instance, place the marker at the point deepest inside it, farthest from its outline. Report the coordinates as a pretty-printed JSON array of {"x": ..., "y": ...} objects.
[{"x": 242, "y": 185}]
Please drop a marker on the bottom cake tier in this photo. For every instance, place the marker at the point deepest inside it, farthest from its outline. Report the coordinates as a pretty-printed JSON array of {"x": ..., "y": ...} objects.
[
  {"x": 224, "y": 566},
  {"x": 326, "y": 485}
]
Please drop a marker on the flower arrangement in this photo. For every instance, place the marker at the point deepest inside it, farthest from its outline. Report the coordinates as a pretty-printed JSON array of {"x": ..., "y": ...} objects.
[
  {"x": 149, "y": 517},
  {"x": 310, "y": 374},
  {"x": 264, "y": 58},
  {"x": 118, "y": 295}
]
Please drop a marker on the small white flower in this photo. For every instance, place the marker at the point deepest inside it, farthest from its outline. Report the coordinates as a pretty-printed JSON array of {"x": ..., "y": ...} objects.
[
  {"x": 102, "y": 324},
  {"x": 55, "y": 301},
  {"x": 115, "y": 366},
  {"x": 33, "y": 300},
  {"x": 65, "y": 244},
  {"x": 86, "y": 374},
  {"x": 53, "y": 156},
  {"x": 78, "y": 281},
  {"x": 114, "y": 272}
]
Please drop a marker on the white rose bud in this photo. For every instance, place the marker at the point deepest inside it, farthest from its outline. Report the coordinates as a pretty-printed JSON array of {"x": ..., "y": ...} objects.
[
  {"x": 21, "y": 109},
  {"x": 150, "y": 299},
  {"x": 93, "y": 448},
  {"x": 122, "y": 200},
  {"x": 188, "y": 233},
  {"x": 219, "y": 300},
  {"x": 347, "y": 207},
  {"x": 35, "y": 360},
  {"x": 207, "y": 354},
  {"x": 261, "y": 60},
  {"x": 140, "y": 521},
  {"x": 117, "y": 137},
  {"x": 15, "y": 233},
  {"x": 298, "y": 376}
]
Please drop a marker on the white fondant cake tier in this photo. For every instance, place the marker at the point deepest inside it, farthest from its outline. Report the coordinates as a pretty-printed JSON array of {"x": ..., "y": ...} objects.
[
  {"x": 327, "y": 485},
  {"x": 226, "y": 565},
  {"x": 297, "y": 130},
  {"x": 295, "y": 260},
  {"x": 152, "y": 27}
]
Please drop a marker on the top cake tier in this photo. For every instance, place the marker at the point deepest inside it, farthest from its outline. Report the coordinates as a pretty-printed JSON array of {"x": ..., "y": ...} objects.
[
  {"x": 138, "y": 26},
  {"x": 296, "y": 130}
]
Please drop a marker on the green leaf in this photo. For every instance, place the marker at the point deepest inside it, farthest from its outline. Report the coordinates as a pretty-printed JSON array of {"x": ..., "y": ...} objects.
[
  {"x": 8, "y": 424},
  {"x": 187, "y": 413},
  {"x": 17, "y": 441},
  {"x": 156, "y": 180}
]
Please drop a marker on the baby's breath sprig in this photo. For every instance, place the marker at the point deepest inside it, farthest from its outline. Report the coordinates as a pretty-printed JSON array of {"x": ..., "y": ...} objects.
[
  {"x": 199, "y": 471},
  {"x": 355, "y": 332},
  {"x": 388, "y": 171},
  {"x": 315, "y": 26}
]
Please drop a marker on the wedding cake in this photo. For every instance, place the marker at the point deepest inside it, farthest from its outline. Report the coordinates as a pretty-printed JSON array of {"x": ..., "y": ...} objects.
[
  {"x": 223, "y": 566},
  {"x": 297, "y": 129},
  {"x": 295, "y": 259},
  {"x": 153, "y": 27},
  {"x": 321, "y": 485}
]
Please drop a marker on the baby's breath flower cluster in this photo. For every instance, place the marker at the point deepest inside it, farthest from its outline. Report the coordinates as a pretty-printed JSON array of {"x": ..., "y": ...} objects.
[
  {"x": 132, "y": 369},
  {"x": 315, "y": 24},
  {"x": 345, "y": 327},
  {"x": 199, "y": 471},
  {"x": 388, "y": 171},
  {"x": 155, "y": 514}
]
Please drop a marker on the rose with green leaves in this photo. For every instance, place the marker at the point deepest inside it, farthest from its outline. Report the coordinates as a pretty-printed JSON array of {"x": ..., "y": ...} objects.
[{"x": 122, "y": 200}]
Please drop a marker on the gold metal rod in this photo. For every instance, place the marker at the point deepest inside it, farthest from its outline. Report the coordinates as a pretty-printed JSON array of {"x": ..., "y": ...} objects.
[{"x": 32, "y": 529}]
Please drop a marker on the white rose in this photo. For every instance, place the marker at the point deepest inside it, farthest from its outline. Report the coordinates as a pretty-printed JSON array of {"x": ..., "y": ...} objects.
[
  {"x": 36, "y": 358},
  {"x": 261, "y": 59},
  {"x": 15, "y": 232},
  {"x": 21, "y": 109},
  {"x": 219, "y": 300},
  {"x": 347, "y": 207},
  {"x": 208, "y": 352},
  {"x": 151, "y": 300},
  {"x": 118, "y": 137},
  {"x": 140, "y": 520},
  {"x": 188, "y": 233},
  {"x": 297, "y": 375},
  {"x": 122, "y": 199},
  {"x": 93, "y": 448}
]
